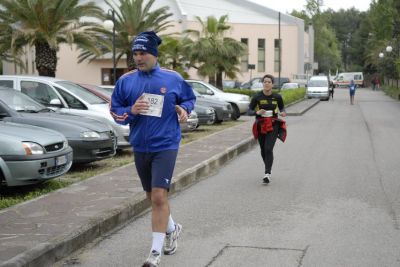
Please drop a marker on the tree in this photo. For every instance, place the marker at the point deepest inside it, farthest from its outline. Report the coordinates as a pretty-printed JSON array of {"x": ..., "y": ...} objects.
[
  {"x": 45, "y": 24},
  {"x": 131, "y": 18},
  {"x": 384, "y": 20},
  {"x": 173, "y": 54},
  {"x": 346, "y": 25},
  {"x": 212, "y": 54},
  {"x": 327, "y": 53}
]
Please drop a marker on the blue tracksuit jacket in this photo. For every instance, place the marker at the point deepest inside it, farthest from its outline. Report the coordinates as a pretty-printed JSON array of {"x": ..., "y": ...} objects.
[{"x": 149, "y": 133}]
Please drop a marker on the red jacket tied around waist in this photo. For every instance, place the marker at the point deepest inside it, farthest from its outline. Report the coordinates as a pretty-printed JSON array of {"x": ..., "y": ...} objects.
[{"x": 265, "y": 125}]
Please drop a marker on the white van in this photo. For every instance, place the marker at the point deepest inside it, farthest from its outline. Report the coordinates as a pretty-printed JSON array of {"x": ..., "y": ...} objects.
[
  {"x": 318, "y": 87},
  {"x": 343, "y": 79}
]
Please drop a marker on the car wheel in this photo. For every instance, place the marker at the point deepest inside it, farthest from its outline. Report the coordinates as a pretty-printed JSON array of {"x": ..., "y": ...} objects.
[
  {"x": 2, "y": 179},
  {"x": 236, "y": 112}
]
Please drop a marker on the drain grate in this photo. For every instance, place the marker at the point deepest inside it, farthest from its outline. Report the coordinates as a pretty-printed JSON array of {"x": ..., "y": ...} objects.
[{"x": 238, "y": 256}]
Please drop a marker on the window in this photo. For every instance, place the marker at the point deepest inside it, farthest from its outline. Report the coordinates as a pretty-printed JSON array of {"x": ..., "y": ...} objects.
[
  {"x": 261, "y": 55},
  {"x": 245, "y": 58},
  {"x": 8, "y": 84},
  {"x": 277, "y": 65},
  {"x": 39, "y": 91},
  {"x": 72, "y": 101},
  {"x": 201, "y": 89}
]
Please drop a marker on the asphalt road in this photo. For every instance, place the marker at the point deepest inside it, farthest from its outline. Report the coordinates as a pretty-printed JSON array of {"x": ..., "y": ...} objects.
[{"x": 334, "y": 199}]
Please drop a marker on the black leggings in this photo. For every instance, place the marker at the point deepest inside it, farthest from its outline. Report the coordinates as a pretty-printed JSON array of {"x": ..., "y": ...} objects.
[{"x": 267, "y": 143}]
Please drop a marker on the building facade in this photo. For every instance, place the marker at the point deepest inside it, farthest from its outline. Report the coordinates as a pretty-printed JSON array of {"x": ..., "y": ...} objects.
[{"x": 259, "y": 27}]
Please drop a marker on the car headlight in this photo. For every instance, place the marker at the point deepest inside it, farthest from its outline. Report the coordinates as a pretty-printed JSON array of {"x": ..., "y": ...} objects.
[
  {"x": 210, "y": 111},
  {"x": 90, "y": 135},
  {"x": 245, "y": 98},
  {"x": 32, "y": 148}
]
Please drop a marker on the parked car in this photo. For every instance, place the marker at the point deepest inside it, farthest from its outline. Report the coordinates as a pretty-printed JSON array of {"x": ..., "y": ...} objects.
[
  {"x": 318, "y": 87},
  {"x": 30, "y": 154},
  {"x": 192, "y": 122},
  {"x": 69, "y": 98},
  {"x": 223, "y": 110},
  {"x": 257, "y": 83},
  {"x": 229, "y": 84},
  {"x": 288, "y": 86},
  {"x": 206, "y": 115},
  {"x": 240, "y": 103},
  {"x": 106, "y": 92},
  {"x": 90, "y": 139},
  {"x": 249, "y": 84}
]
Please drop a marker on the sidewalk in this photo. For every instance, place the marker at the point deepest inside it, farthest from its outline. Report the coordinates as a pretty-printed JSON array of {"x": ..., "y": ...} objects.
[{"x": 44, "y": 230}]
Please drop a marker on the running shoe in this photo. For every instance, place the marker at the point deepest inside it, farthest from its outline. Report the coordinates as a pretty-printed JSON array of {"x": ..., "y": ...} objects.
[
  {"x": 267, "y": 178},
  {"x": 171, "y": 240},
  {"x": 153, "y": 260}
]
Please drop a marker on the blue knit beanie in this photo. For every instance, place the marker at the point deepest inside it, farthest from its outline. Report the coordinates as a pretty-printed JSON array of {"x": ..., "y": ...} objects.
[{"x": 147, "y": 42}]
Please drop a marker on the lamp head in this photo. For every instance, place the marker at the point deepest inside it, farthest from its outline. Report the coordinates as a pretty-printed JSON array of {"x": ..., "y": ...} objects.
[{"x": 108, "y": 25}]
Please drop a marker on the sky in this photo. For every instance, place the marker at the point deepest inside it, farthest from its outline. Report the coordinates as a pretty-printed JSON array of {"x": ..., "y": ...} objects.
[{"x": 286, "y": 6}]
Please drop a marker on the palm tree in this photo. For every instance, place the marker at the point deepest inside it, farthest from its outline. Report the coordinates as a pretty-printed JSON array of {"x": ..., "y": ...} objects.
[
  {"x": 212, "y": 53},
  {"x": 131, "y": 18},
  {"x": 45, "y": 24},
  {"x": 173, "y": 54}
]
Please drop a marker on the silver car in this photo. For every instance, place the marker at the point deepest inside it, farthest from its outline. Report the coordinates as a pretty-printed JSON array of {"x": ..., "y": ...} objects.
[
  {"x": 69, "y": 98},
  {"x": 30, "y": 154},
  {"x": 240, "y": 103}
]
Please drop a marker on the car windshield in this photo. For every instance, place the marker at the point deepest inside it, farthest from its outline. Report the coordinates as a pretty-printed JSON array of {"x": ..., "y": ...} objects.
[
  {"x": 84, "y": 94},
  {"x": 214, "y": 88},
  {"x": 20, "y": 102},
  {"x": 317, "y": 83}
]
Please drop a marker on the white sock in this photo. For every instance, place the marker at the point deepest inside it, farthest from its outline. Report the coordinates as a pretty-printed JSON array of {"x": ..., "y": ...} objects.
[
  {"x": 171, "y": 225},
  {"x": 158, "y": 241}
]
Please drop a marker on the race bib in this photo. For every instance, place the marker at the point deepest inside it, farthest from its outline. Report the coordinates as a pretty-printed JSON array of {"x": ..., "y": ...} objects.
[{"x": 156, "y": 103}]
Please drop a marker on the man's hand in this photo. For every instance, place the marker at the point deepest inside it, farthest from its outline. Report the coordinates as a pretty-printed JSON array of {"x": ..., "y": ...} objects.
[
  {"x": 141, "y": 106},
  {"x": 182, "y": 114}
]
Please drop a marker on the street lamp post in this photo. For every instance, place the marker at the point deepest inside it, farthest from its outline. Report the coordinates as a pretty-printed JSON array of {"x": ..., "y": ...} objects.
[
  {"x": 389, "y": 50},
  {"x": 110, "y": 25}
]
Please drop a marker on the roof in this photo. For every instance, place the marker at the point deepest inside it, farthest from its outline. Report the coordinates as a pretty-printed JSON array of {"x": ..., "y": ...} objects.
[{"x": 238, "y": 11}]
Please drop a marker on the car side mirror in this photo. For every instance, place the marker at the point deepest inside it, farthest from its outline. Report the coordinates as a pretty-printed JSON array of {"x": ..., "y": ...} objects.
[
  {"x": 55, "y": 102},
  {"x": 209, "y": 92}
]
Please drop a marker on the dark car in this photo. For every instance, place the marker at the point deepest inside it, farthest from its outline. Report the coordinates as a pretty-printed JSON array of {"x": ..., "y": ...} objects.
[
  {"x": 206, "y": 115},
  {"x": 223, "y": 110},
  {"x": 90, "y": 139},
  {"x": 279, "y": 82},
  {"x": 30, "y": 154}
]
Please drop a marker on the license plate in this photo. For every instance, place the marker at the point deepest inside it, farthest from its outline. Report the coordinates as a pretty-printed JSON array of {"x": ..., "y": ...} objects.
[{"x": 61, "y": 160}]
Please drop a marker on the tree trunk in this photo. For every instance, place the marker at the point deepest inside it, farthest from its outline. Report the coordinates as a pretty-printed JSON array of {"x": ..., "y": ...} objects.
[
  {"x": 130, "y": 63},
  {"x": 46, "y": 59},
  {"x": 219, "y": 81},
  {"x": 211, "y": 80}
]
